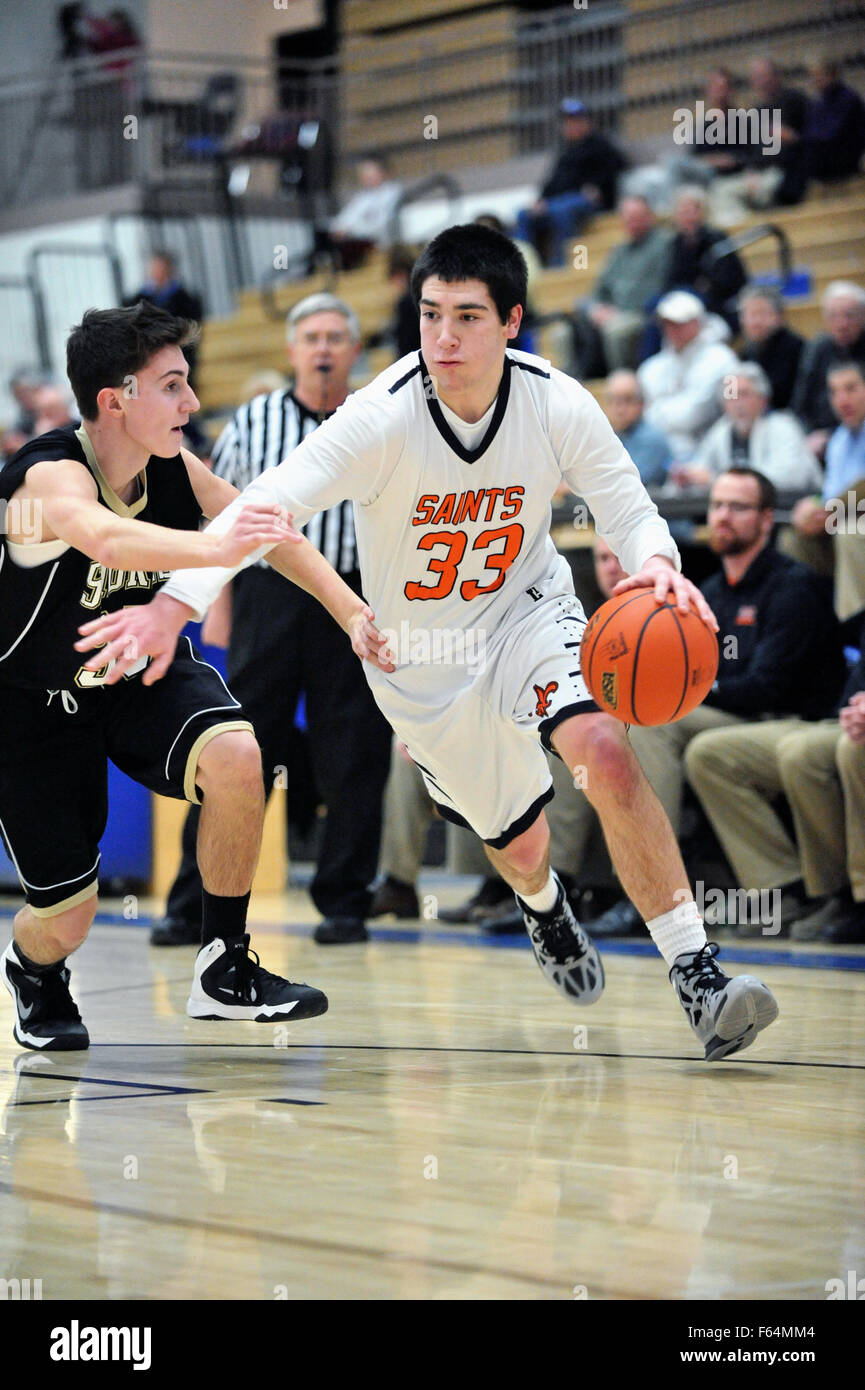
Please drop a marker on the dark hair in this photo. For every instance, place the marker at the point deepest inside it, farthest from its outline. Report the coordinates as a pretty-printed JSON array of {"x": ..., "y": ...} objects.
[
  {"x": 160, "y": 254},
  {"x": 848, "y": 365},
  {"x": 475, "y": 253},
  {"x": 110, "y": 345},
  {"x": 768, "y": 492}
]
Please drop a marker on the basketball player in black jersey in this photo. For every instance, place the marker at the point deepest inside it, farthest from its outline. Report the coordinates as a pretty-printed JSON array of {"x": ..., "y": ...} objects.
[{"x": 94, "y": 519}]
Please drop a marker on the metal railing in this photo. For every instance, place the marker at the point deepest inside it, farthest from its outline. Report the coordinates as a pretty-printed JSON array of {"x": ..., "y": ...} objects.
[
  {"x": 738, "y": 241},
  {"x": 150, "y": 117}
]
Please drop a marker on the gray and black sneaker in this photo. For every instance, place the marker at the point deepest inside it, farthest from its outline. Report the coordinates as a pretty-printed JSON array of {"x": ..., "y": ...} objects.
[
  {"x": 45, "y": 1014},
  {"x": 228, "y": 982},
  {"x": 566, "y": 954},
  {"x": 725, "y": 1013}
]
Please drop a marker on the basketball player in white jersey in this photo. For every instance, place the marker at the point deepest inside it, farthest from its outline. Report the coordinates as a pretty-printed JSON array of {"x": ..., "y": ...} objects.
[{"x": 451, "y": 458}]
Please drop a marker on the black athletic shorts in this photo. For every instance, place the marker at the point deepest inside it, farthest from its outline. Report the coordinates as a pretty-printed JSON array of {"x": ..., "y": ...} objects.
[{"x": 54, "y": 752}]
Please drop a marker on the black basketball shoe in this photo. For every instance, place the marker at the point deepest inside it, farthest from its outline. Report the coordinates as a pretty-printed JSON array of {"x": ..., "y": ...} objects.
[
  {"x": 46, "y": 1016},
  {"x": 726, "y": 1013},
  {"x": 565, "y": 953},
  {"x": 229, "y": 982}
]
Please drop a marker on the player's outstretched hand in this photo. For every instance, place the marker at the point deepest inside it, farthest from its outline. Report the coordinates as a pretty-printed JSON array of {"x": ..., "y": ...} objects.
[
  {"x": 256, "y": 525},
  {"x": 367, "y": 642},
  {"x": 127, "y": 638},
  {"x": 658, "y": 574}
]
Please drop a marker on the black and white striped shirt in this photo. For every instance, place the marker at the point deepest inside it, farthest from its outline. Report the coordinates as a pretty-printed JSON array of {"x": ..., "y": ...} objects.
[{"x": 260, "y": 435}]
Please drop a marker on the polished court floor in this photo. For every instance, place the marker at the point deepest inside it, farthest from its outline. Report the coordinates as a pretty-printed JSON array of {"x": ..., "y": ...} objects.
[{"x": 450, "y": 1129}]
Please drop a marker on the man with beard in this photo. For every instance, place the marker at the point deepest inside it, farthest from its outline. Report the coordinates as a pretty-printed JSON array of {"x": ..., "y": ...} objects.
[{"x": 779, "y": 642}]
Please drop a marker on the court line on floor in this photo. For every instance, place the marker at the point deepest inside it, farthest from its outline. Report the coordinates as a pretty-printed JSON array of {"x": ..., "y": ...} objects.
[
  {"x": 377, "y": 1255},
  {"x": 499, "y": 1052}
]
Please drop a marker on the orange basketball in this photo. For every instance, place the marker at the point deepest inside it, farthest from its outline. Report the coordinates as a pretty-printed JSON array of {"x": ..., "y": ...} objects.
[{"x": 645, "y": 662}]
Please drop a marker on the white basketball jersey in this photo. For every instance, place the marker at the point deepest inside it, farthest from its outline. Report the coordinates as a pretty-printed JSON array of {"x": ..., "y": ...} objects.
[{"x": 450, "y": 537}]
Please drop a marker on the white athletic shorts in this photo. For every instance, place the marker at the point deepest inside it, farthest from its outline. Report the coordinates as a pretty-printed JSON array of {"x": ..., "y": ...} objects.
[{"x": 480, "y": 753}]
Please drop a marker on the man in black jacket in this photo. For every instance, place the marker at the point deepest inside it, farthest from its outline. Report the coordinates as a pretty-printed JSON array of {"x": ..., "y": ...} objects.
[
  {"x": 717, "y": 280},
  {"x": 779, "y": 641},
  {"x": 582, "y": 181},
  {"x": 769, "y": 342}
]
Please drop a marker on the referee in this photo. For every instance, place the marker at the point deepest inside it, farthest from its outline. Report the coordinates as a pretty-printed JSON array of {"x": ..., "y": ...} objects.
[{"x": 283, "y": 644}]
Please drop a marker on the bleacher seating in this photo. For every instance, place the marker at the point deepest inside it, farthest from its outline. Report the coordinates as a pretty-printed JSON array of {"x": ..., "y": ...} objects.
[{"x": 827, "y": 236}]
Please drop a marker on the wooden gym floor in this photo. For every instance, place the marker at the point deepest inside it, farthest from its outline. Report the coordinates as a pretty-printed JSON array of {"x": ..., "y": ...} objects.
[{"x": 450, "y": 1129}]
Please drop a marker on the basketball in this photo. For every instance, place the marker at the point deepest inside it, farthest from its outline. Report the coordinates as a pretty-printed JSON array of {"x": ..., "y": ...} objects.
[{"x": 645, "y": 662}]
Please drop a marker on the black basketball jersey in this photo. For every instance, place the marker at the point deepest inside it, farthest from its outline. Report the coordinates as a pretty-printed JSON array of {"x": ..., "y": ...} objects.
[{"x": 47, "y": 590}]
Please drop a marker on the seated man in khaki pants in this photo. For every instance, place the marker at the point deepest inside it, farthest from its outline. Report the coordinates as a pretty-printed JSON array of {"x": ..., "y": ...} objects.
[
  {"x": 779, "y": 643},
  {"x": 737, "y": 773}
]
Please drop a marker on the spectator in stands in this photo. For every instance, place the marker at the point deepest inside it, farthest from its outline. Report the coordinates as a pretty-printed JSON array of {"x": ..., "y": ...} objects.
[
  {"x": 525, "y": 338},
  {"x": 776, "y": 175},
  {"x": 581, "y": 182},
  {"x": 405, "y": 323},
  {"x": 610, "y": 324},
  {"x": 55, "y": 407},
  {"x": 710, "y": 152},
  {"x": 73, "y": 29},
  {"x": 692, "y": 267},
  {"x": 845, "y": 451},
  {"x": 23, "y": 387},
  {"x": 779, "y": 645},
  {"x": 750, "y": 435},
  {"x": 367, "y": 219},
  {"x": 164, "y": 288},
  {"x": 843, "y": 308},
  {"x": 768, "y": 341},
  {"x": 681, "y": 383},
  {"x": 283, "y": 642},
  {"x": 402, "y": 331},
  {"x": 647, "y": 446},
  {"x": 738, "y": 775},
  {"x": 834, "y": 134}
]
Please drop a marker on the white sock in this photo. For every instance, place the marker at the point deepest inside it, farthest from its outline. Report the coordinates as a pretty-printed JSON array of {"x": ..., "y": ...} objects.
[
  {"x": 677, "y": 931},
  {"x": 545, "y": 900}
]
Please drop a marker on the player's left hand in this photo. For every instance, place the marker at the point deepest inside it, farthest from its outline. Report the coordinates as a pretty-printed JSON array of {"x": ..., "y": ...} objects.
[
  {"x": 658, "y": 574},
  {"x": 367, "y": 642}
]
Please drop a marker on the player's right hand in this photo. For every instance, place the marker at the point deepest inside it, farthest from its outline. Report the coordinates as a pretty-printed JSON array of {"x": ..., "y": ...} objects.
[
  {"x": 367, "y": 642},
  {"x": 123, "y": 638},
  {"x": 256, "y": 525}
]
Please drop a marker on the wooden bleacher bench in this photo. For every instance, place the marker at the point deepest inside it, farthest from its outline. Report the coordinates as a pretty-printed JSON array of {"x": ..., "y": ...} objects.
[{"x": 826, "y": 236}]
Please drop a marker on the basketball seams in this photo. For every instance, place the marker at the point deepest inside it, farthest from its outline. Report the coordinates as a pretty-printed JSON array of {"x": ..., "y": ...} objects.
[
  {"x": 665, "y": 607},
  {"x": 686, "y": 650},
  {"x": 631, "y": 599}
]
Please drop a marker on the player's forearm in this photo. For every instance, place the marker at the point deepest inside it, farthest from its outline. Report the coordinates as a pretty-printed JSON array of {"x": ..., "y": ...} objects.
[
  {"x": 307, "y": 567},
  {"x": 139, "y": 545}
]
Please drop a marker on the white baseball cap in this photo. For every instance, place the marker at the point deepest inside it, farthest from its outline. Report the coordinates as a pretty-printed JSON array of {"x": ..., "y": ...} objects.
[{"x": 680, "y": 307}]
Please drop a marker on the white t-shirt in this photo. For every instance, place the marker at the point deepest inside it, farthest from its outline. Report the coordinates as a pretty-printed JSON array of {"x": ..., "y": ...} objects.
[{"x": 450, "y": 533}]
